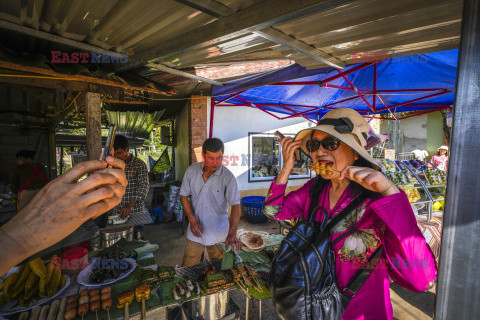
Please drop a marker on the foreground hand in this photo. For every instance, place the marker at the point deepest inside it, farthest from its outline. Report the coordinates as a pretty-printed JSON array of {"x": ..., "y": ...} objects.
[
  {"x": 370, "y": 179},
  {"x": 233, "y": 241},
  {"x": 64, "y": 204},
  {"x": 196, "y": 228}
]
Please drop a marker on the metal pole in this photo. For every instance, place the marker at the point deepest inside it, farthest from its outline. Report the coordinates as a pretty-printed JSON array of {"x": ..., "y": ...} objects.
[
  {"x": 61, "y": 160},
  {"x": 212, "y": 111},
  {"x": 458, "y": 289}
]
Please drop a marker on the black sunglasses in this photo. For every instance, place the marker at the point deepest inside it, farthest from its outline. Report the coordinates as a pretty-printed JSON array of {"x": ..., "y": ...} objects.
[{"x": 330, "y": 143}]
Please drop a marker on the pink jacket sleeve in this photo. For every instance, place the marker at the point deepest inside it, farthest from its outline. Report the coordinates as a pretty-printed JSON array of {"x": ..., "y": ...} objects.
[
  {"x": 293, "y": 205},
  {"x": 410, "y": 260}
]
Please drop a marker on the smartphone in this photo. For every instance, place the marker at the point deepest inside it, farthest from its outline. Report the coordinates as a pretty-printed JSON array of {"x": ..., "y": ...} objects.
[
  {"x": 279, "y": 136},
  {"x": 110, "y": 140}
]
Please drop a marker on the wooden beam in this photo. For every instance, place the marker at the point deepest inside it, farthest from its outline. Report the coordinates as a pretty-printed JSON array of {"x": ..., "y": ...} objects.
[
  {"x": 209, "y": 7},
  {"x": 301, "y": 47},
  {"x": 66, "y": 77},
  {"x": 52, "y": 84},
  {"x": 124, "y": 102},
  {"x": 259, "y": 16},
  {"x": 93, "y": 121}
]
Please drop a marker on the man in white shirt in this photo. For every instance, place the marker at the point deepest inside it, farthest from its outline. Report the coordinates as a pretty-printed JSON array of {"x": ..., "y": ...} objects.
[{"x": 207, "y": 189}]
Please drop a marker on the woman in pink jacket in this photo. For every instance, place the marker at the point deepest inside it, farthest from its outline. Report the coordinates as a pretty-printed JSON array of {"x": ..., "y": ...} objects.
[{"x": 385, "y": 217}]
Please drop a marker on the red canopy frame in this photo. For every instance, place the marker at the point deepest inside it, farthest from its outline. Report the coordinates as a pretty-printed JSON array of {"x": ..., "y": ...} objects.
[{"x": 360, "y": 95}]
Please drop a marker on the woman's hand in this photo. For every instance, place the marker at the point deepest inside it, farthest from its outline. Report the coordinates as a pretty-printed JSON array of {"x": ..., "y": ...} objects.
[
  {"x": 62, "y": 206},
  {"x": 288, "y": 154},
  {"x": 370, "y": 179}
]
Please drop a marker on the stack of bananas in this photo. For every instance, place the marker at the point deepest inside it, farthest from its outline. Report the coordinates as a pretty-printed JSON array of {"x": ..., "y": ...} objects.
[{"x": 34, "y": 280}]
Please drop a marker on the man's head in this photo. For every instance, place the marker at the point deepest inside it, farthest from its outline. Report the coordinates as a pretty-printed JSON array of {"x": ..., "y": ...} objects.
[
  {"x": 212, "y": 152},
  {"x": 121, "y": 149},
  {"x": 24, "y": 156}
]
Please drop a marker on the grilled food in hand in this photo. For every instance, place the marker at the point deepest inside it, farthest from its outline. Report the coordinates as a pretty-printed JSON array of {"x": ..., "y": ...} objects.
[{"x": 322, "y": 168}]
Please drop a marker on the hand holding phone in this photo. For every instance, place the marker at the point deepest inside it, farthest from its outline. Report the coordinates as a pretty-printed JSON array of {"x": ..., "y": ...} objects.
[
  {"x": 279, "y": 136},
  {"x": 109, "y": 143}
]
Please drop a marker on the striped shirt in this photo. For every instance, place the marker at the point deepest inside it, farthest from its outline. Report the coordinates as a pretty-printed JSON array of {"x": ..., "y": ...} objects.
[{"x": 137, "y": 188}]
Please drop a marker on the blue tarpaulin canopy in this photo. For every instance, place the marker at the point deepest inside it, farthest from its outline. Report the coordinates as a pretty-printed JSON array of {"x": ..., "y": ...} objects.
[{"x": 422, "y": 83}]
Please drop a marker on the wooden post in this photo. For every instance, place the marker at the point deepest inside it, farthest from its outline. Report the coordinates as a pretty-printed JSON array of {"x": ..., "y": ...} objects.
[{"x": 93, "y": 122}]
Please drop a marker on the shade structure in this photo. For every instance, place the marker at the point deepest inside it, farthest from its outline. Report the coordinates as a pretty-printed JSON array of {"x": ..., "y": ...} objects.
[{"x": 415, "y": 84}]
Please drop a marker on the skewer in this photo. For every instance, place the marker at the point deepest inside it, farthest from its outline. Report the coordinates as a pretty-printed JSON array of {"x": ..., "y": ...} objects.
[
  {"x": 144, "y": 312},
  {"x": 127, "y": 312},
  {"x": 254, "y": 277},
  {"x": 245, "y": 278}
]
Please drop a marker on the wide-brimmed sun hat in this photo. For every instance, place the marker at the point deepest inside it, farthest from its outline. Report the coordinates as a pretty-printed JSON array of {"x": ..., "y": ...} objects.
[
  {"x": 345, "y": 124},
  {"x": 443, "y": 148}
]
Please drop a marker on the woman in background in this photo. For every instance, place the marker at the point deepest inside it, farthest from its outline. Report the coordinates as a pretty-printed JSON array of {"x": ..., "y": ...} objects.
[{"x": 440, "y": 160}]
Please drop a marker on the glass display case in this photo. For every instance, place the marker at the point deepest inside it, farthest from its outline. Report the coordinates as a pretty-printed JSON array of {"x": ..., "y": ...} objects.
[{"x": 424, "y": 185}]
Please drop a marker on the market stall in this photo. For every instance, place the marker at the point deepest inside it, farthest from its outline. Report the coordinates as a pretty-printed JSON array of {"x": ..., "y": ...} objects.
[
  {"x": 124, "y": 281},
  {"x": 425, "y": 187}
]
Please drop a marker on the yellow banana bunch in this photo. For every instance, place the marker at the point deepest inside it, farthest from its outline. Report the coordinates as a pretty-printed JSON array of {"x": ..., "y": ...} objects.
[
  {"x": 38, "y": 268},
  {"x": 42, "y": 283},
  {"x": 54, "y": 282},
  {"x": 9, "y": 285},
  {"x": 21, "y": 281},
  {"x": 34, "y": 279}
]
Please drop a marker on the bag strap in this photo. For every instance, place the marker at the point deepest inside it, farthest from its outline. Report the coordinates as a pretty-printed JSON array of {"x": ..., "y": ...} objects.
[
  {"x": 361, "y": 276},
  {"x": 351, "y": 206}
]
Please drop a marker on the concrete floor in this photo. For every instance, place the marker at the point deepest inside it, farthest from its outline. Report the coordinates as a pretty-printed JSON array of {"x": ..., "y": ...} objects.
[{"x": 406, "y": 305}]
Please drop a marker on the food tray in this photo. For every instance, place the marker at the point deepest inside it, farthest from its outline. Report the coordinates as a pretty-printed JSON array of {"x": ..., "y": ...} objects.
[
  {"x": 11, "y": 307},
  {"x": 84, "y": 276}
]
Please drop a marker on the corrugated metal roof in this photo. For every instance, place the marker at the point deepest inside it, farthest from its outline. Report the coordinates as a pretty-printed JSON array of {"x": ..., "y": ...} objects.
[
  {"x": 374, "y": 27},
  {"x": 408, "y": 26},
  {"x": 134, "y": 124}
]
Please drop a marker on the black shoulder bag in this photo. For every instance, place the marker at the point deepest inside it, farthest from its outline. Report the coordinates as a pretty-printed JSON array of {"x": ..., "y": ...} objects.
[{"x": 302, "y": 277}]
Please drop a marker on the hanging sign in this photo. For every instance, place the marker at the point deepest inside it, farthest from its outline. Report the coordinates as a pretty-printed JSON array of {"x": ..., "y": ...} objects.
[{"x": 390, "y": 154}]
